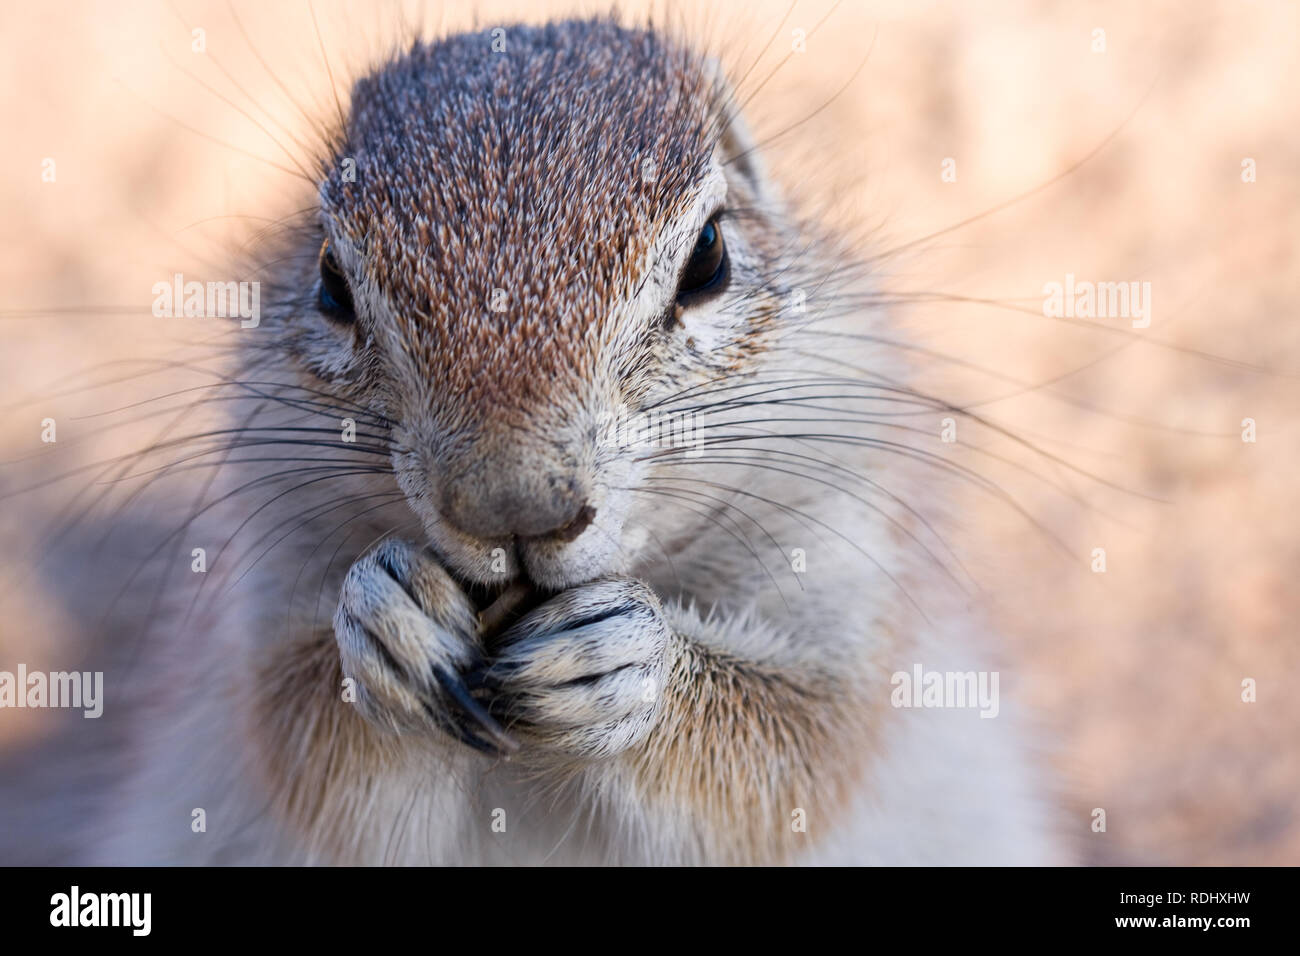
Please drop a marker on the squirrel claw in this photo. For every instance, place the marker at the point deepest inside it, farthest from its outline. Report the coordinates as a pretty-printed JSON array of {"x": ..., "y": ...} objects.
[{"x": 470, "y": 708}]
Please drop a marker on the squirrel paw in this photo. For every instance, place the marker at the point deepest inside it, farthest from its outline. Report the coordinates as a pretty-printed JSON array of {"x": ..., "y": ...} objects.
[
  {"x": 407, "y": 634},
  {"x": 583, "y": 674}
]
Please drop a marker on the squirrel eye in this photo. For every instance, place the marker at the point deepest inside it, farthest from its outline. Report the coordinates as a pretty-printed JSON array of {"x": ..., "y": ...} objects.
[
  {"x": 335, "y": 296},
  {"x": 707, "y": 268}
]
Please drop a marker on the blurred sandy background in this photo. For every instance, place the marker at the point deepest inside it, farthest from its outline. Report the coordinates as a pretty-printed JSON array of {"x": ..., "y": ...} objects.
[{"x": 1133, "y": 675}]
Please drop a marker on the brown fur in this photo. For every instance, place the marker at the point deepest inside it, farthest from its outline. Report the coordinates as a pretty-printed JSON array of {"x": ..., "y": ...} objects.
[{"x": 455, "y": 193}]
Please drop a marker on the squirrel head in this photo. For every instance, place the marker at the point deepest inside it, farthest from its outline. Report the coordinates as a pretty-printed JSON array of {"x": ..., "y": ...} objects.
[{"x": 530, "y": 239}]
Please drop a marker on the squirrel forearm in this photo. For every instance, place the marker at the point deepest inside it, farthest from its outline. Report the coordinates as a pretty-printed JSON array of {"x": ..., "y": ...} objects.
[
  {"x": 749, "y": 760},
  {"x": 334, "y": 778}
]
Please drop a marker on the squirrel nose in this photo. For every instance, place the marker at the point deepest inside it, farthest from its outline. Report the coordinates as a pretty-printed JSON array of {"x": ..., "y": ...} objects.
[
  {"x": 521, "y": 507},
  {"x": 579, "y": 523}
]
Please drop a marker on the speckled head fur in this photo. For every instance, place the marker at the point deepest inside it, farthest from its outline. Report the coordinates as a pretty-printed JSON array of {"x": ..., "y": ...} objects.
[{"x": 524, "y": 203}]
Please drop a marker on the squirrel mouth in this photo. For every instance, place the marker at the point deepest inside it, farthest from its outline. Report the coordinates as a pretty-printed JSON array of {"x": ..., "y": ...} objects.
[
  {"x": 509, "y": 604},
  {"x": 500, "y": 605}
]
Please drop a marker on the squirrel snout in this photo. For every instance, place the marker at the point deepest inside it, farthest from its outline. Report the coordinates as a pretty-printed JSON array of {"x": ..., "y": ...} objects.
[{"x": 517, "y": 506}]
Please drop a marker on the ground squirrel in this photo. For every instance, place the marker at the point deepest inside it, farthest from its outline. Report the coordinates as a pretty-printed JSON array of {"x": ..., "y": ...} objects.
[{"x": 551, "y": 642}]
